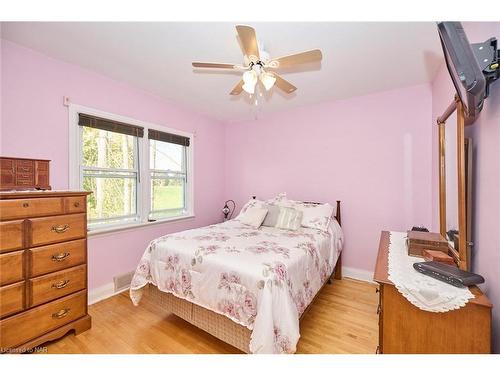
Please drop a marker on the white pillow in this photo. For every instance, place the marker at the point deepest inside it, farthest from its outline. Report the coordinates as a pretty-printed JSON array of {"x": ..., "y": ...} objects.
[
  {"x": 251, "y": 203},
  {"x": 253, "y": 216},
  {"x": 273, "y": 212},
  {"x": 315, "y": 216},
  {"x": 289, "y": 218}
]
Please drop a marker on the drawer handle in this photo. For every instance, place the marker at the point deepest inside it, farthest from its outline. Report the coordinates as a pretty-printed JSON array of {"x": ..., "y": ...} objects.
[
  {"x": 26, "y": 205},
  {"x": 59, "y": 257},
  {"x": 60, "y": 228},
  {"x": 76, "y": 204},
  {"x": 60, "y": 314},
  {"x": 60, "y": 284}
]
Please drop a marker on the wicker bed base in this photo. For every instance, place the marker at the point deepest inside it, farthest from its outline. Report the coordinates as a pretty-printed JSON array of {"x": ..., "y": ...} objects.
[{"x": 216, "y": 324}]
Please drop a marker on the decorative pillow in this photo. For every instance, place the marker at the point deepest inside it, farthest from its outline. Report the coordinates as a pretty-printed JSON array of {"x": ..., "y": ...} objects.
[
  {"x": 273, "y": 212},
  {"x": 251, "y": 203},
  {"x": 254, "y": 216},
  {"x": 289, "y": 218},
  {"x": 316, "y": 216}
]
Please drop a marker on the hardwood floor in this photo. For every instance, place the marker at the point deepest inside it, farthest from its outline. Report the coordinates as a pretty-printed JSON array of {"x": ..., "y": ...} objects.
[{"x": 343, "y": 319}]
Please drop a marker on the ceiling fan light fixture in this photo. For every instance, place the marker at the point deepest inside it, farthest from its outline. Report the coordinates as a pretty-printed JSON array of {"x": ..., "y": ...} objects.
[
  {"x": 250, "y": 79},
  {"x": 257, "y": 60},
  {"x": 268, "y": 80},
  {"x": 249, "y": 88}
]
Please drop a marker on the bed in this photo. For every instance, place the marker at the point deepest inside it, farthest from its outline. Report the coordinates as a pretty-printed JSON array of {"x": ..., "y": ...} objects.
[{"x": 248, "y": 287}]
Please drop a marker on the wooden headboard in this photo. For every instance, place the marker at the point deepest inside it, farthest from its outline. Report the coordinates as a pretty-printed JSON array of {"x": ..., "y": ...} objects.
[{"x": 337, "y": 216}]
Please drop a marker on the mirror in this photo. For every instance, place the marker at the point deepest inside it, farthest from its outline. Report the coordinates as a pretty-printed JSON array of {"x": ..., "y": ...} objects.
[
  {"x": 455, "y": 164},
  {"x": 451, "y": 178}
]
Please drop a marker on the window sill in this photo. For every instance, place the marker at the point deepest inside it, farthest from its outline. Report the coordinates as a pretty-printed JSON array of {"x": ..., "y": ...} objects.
[{"x": 130, "y": 227}]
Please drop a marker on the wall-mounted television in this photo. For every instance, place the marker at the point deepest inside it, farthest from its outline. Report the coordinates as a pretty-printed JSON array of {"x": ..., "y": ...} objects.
[
  {"x": 472, "y": 67},
  {"x": 467, "y": 77}
]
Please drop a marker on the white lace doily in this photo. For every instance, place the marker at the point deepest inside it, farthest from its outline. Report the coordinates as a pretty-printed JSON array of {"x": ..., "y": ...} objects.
[{"x": 422, "y": 291}]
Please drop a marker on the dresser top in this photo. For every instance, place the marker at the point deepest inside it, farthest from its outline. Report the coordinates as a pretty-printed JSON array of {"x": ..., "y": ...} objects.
[
  {"x": 381, "y": 274},
  {"x": 14, "y": 194}
]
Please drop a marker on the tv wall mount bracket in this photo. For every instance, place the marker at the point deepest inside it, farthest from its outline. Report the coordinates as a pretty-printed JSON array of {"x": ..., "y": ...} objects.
[{"x": 488, "y": 58}]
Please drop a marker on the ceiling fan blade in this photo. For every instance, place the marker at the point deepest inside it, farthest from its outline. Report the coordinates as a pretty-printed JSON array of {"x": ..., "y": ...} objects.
[
  {"x": 238, "y": 88},
  {"x": 248, "y": 41},
  {"x": 284, "y": 84},
  {"x": 295, "y": 59},
  {"x": 214, "y": 65}
]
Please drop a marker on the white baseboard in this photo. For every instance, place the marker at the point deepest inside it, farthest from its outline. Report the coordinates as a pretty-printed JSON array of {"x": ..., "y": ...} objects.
[
  {"x": 103, "y": 292},
  {"x": 358, "y": 274}
]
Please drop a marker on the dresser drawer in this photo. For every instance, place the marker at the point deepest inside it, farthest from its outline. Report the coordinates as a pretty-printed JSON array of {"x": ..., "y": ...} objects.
[
  {"x": 57, "y": 229},
  {"x": 11, "y": 299},
  {"x": 25, "y": 178},
  {"x": 23, "y": 208},
  {"x": 50, "y": 258},
  {"x": 75, "y": 204},
  {"x": 11, "y": 267},
  {"x": 24, "y": 168},
  {"x": 7, "y": 173},
  {"x": 57, "y": 284},
  {"x": 11, "y": 235},
  {"x": 24, "y": 183},
  {"x": 27, "y": 325},
  {"x": 20, "y": 164},
  {"x": 42, "y": 174}
]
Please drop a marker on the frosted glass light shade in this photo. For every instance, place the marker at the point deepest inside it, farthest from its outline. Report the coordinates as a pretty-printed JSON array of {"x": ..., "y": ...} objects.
[
  {"x": 268, "y": 80},
  {"x": 250, "y": 79},
  {"x": 249, "y": 88}
]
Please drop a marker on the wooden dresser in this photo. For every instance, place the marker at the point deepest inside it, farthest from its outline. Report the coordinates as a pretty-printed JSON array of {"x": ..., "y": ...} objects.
[
  {"x": 404, "y": 328},
  {"x": 43, "y": 267}
]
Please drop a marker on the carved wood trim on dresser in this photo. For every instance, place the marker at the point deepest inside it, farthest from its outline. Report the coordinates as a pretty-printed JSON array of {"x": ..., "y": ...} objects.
[
  {"x": 405, "y": 329},
  {"x": 43, "y": 267}
]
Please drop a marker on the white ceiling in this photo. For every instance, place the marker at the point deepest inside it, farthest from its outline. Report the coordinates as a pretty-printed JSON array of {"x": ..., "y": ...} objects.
[{"x": 358, "y": 58}]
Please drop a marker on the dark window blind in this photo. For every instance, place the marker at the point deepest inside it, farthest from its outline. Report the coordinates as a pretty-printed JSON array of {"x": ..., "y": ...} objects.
[
  {"x": 168, "y": 137},
  {"x": 109, "y": 125}
]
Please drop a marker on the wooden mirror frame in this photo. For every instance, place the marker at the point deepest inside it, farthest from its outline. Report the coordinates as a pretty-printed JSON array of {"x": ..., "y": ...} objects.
[{"x": 462, "y": 255}]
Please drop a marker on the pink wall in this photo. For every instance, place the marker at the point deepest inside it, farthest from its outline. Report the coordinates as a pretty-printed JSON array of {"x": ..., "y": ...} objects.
[
  {"x": 373, "y": 153},
  {"x": 35, "y": 124},
  {"x": 485, "y": 134}
]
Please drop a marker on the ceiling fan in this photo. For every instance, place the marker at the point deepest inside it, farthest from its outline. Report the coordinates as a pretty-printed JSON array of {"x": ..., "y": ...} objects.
[{"x": 258, "y": 65}]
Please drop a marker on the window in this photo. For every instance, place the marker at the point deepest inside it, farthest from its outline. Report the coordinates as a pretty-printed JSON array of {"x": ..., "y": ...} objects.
[
  {"x": 168, "y": 174},
  {"x": 109, "y": 169},
  {"x": 137, "y": 174},
  {"x": 168, "y": 179}
]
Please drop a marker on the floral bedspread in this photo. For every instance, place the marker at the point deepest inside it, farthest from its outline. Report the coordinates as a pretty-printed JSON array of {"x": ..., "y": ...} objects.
[{"x": 260, "y": 278}]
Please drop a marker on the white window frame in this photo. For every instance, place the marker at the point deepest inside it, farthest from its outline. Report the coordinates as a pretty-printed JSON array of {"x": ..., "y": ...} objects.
[
  {"x": 161, "y": 172},
  {"x": 143, "y": 183},
  {"x": 109, "y": 172}
]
